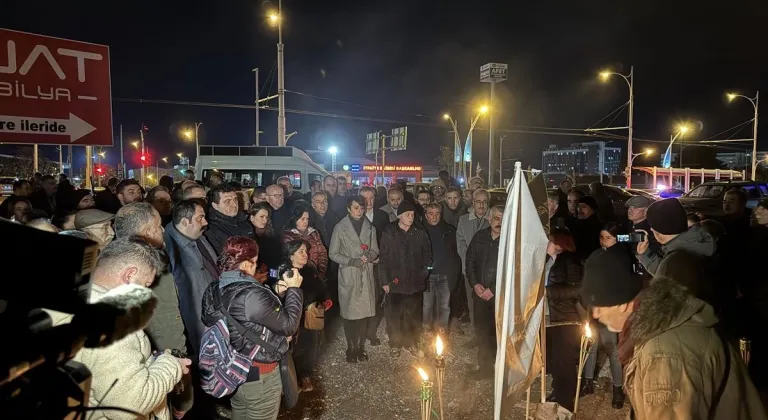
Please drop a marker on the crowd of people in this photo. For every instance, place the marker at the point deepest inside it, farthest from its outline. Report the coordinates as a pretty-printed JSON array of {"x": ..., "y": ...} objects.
[{"x": 275, "y": 265}]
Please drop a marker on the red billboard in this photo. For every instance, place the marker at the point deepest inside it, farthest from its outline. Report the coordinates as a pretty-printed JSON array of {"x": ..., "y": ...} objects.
[{"x": 54, "y": 91}]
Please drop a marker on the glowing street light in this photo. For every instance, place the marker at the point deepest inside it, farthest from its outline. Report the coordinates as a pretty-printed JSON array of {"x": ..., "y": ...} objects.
[
  {"x": 483, "y": 109},
  {"x": 135, "y": 144},
  {"x": 276, "y": 19},
  {"x": 646, "y": 153},
  {"x": 446, "y": 116},
  {"x": 755, "y": 104},
  {"x": 333, "y": 151},
  {"x": 680, "y": 130},
  {"x": 629, "y": 78}
]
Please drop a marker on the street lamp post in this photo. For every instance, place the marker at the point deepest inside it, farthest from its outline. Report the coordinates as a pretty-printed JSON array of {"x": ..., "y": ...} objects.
[
  {"x": 467, "y": 152},
  {"x": 630, "y": 119},
  {"x": 188, "y": 134},
  {"x": 277, "y": 19},
  {"x": 456, "y": 144},
  {"x": 333, "y": 151},
  {"x": 647, "y": 152},
  {"x": 157, "y": 167},
  {"x": 682, "y": 129},
  {"x": 755, "y": 104}
]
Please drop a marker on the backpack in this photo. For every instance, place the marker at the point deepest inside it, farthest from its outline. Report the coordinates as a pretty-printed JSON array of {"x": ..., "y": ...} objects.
[{"x": 222, "y": 368}]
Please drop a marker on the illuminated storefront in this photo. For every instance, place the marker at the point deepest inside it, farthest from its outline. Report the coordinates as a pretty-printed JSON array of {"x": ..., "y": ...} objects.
[{"x": 371, "y": 174}]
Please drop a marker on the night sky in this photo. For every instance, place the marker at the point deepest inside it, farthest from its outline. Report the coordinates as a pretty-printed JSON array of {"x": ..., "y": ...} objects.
[{"x": 411, "y": 61}]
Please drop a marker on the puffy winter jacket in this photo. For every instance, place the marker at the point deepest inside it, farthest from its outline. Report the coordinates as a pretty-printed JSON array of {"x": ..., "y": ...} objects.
[
  {"x": 318, "y": 253},
  {"x": 222, "y": 227},
  {"x": 258, "y": 309}
]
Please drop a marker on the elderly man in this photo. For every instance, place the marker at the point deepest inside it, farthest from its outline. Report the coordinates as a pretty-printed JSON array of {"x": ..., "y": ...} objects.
[
  {"x": 469, "y": 224},
  {"x": 677, "y": 364},
  {"x": 281, "y": 213},
  {"x": 394, "y": 198},
  {"x": 225, "y": 219},
  {"x": 193, "y": 264},
  {"x": 165, "y": 329},
  {"x": 481, "y": 259},
  {"x": 291, "y": 195},
  {"x": 324, "y": 221},
  {"x": 125, "y": 374}
]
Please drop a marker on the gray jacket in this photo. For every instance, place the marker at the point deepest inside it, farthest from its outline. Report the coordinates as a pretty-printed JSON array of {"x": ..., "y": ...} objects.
[
  {"x": 191, "y": 280},
  {"x": 695, "y": 241},
  {"x": 390, "y": 212},
  {"x": 469, "y": 224}
]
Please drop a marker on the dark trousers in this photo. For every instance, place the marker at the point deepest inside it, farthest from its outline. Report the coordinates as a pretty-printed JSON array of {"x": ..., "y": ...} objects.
[
  {"x": 458, "y": 299},
  {"x": 305, "y": 351},
  {"x": 354, "y": 331},
  {"x": 563, "y": 362},
  {"x": 485, "y": 331},
  {"x": 375, "y": 321},
  {"x": 403, "y": 313}
]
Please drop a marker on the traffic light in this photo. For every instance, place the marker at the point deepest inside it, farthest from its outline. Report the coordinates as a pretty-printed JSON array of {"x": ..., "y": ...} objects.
[
  {"x": 99, "y": 170},
  {"x": 143, "y": 158}
]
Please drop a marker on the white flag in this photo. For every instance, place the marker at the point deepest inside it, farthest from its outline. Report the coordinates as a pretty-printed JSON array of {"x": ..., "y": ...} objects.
[{"x": 519, "y": 296}]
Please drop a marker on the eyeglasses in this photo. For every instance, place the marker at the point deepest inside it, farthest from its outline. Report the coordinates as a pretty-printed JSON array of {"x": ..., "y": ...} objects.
[{"x": 479, "y": 202}]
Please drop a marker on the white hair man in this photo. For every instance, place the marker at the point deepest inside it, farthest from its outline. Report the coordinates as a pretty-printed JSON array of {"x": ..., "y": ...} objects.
[{"x": 125, "y": 374}]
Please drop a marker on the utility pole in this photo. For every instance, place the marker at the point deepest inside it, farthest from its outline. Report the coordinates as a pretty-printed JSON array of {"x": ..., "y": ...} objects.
[
  {"x": 630, "y": 123},
  {"x": 754, "y": 138},
  {"x": 122, "y": 155},
  {"x": 492, "y": 131},
  {"x": 501, "y": 162},
  {"x": 34, "y": 159},
  {"x": 88, "y": 167},
  {"x": 280, "y": 78},
  {"x": 256, "y": 77},
  {"x": 61, "y": 159},
  {"x": 69, "y": 159}
]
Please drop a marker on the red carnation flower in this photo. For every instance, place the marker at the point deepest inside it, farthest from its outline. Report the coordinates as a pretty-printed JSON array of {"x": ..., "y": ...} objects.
[
  {"x": 396, "y": 281},
  {"x": 364, "y": 247}
]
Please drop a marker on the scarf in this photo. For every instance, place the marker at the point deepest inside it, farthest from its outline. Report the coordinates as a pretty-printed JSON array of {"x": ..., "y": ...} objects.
[{"x": 357, "y": 224}]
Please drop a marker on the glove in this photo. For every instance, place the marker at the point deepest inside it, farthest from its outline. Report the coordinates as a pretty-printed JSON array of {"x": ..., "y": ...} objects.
[{"x": 328, "y": 304}]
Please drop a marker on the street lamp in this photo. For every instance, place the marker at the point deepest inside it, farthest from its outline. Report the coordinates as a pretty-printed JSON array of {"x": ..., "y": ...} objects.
[
  {"x": 157, "y": 166},
  {"x": 680, "y": 130},
  {"x": 604, "y": 76},
  {"x": 646, "y": 152},
  {"x": 135, "y": 144},
  {"x": 456, "y": 143},
  {"x": 333, "y": 151},
  {"x": 194, "y": 134},
  {"x": 755, "y": 104},
  {"x": 276, "y": 19}
]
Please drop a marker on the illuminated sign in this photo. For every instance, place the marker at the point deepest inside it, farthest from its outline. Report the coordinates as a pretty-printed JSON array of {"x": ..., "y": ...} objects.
[
  {"x": 393, "y": 168},
  {"x": 355, "y": 167}
]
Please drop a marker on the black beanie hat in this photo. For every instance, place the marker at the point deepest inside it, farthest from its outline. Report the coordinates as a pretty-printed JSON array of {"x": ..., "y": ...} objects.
[
  {"x": 609, "y": 278},
  {"x": 590, "y": 201},
  {"x": 667, "y": 217},
  {"x": 404, "y": 207}
]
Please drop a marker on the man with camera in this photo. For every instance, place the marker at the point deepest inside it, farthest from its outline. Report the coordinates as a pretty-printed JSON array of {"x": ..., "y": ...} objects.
[
  {"x": 685, "y": 253},
  {"x": 126, "y": 374}
]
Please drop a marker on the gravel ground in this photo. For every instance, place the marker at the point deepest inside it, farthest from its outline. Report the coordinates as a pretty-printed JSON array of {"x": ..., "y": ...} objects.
[{"x": 387, "y": 388}]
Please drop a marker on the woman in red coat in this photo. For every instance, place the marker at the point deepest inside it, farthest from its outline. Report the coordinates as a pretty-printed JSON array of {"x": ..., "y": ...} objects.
[{"x": 298, "y": 228}]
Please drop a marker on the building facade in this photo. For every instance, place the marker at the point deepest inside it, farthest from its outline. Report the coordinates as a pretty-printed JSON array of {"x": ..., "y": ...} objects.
[
  {"x": 589, "y": 158},
  {"x": 741, "y": 160}
]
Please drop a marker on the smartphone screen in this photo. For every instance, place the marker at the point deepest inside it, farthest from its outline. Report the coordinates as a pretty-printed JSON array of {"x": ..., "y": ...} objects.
[{"x": 273, "y": 273}]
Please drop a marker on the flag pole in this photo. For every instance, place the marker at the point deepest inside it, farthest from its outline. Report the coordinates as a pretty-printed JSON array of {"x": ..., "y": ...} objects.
[{"x": 543, "y": 335}]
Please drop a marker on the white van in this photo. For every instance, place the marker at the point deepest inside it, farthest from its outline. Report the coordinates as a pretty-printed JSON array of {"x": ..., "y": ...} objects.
[{"x": 254, "y": 166}]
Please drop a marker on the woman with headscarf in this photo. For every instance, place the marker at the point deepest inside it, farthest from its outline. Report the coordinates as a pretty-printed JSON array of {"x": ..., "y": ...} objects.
[{"x": 354, "y": 248}]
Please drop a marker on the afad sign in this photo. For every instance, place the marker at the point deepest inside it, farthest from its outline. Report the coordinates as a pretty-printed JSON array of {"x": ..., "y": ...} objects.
[
  {"x": 393, "y": 168},
  {"x": 54, "y": 91}
]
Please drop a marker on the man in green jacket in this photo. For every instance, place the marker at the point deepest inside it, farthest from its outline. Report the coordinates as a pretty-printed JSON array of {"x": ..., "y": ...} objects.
[
  {"x": 166, "y": 328},
  {"x": 676, "y": 363}
]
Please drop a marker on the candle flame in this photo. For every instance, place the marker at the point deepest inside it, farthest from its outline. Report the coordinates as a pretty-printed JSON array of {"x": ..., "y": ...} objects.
[
  {"x": 439, "y": 346},
  {"x": 424, "y": 376},
  {"x": 587, "y": 330}
]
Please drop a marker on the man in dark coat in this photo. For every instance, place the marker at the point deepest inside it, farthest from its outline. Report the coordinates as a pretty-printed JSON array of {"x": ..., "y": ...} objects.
[
  {"x": 225, "y": 220},
  {"x": 446, "y": 269},
  {"x": 404, "y": 259}
]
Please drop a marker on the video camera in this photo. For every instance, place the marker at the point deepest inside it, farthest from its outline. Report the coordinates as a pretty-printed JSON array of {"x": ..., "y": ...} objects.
[{"x": 38, "y": 379}]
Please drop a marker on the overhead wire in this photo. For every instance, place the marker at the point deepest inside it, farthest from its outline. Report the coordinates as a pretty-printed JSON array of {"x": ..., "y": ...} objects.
[
  {"x": 267, "y": 80},
  {"x": 356, "y": 104},
  {"x": 615, "y": 111}
]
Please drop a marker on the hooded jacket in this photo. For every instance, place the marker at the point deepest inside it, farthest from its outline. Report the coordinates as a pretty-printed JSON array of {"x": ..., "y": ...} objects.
[
  {"x": 686, "y": 259},
  {"x": 258, "y": 309},
  {"x": 680, "y": 368},
  {"x": 318, "y": 253}
]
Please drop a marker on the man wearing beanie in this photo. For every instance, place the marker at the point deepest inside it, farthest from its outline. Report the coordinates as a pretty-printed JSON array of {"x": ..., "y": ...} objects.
[
  {"x": 676, "y": 365},
  {"x": 405, "y": 257},
  {"x": 686, "y": 254}
]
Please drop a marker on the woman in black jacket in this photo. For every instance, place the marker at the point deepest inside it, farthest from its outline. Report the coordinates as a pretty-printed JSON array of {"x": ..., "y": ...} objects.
[
  {"x": 258, "y": 309},
  {"x": 271, "y": 249},
  {"x": 315, "y": 297},
  {"x": 565, "y": 315}
]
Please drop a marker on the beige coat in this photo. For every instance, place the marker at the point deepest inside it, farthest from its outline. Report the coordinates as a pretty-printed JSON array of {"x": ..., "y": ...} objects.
[
  {"x": 679, "y": 361},
  {"x": 357, "y": 287},
  {"x": 142, "y": 382}
]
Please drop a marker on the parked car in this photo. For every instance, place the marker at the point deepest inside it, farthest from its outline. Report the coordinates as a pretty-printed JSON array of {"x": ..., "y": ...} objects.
[
  {"x": 6, "y": 186},
  {"x": 707, "y": 198},
  {"x": 498, "y": 196}
]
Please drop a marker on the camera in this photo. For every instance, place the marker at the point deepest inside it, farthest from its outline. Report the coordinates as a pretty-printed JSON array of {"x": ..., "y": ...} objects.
[
  {"x": 632, "y": 238},
  {"x": 284, "y": 268}
]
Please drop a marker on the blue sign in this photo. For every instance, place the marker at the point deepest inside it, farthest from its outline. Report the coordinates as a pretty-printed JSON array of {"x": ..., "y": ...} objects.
[
  {"x": 666, "y": 161},
  {"x": 354, "y": 167},
  {"x": 468, "y": 148}
]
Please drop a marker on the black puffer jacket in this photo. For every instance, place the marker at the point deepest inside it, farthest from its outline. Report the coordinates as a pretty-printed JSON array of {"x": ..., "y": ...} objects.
[
  {"x": 482, "y": 256},
  {"x": 563, "y": 288},
  {"x": 404, "y": 256},
  {"x": 257, "y": 308}
]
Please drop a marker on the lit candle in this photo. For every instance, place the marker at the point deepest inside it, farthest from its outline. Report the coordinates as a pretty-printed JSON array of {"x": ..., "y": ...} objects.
[
  {"x": 440, "y": 369},
  {"x": 586, "y": 344},
  {"x": 426, "y": 395}
]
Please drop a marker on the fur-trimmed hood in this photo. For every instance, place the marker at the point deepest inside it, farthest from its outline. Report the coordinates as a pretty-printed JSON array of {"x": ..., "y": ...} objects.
[{"x": 664, "y": 305}]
